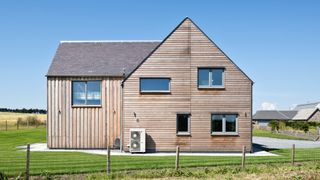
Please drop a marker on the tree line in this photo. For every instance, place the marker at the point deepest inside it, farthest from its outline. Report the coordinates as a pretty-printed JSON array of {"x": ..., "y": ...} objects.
[{"x": 24, "y": 110}]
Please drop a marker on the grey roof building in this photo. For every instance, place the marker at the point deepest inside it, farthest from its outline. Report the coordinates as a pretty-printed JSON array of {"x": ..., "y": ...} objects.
[
  {"x": 274, "y": 115},
  {"x": 302, "y": 112}
]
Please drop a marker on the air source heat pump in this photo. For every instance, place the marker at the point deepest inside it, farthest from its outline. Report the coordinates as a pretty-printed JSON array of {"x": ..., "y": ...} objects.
[{"x": 137, "y": 140}]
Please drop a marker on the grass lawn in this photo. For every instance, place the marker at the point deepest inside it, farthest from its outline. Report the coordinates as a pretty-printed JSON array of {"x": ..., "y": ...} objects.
[
  {"x": 12, "y": 118},
  {"x": 265, "y": 133},
  {"x": 12, "y": 162},
  {"x": 306, "y": 170}
]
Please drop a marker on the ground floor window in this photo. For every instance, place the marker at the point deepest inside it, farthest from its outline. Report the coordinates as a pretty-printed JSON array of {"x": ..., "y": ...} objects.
[
  {"x": 224, "y": 123},
  {"x": 183, "y": 124}
]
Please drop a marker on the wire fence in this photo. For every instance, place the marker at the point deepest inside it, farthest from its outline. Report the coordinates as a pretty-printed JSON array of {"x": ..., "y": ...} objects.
[
  {"x": 16, "y": 162},
  {"x": 21, "y": 124},
  {"x": 46, "y": 163}
]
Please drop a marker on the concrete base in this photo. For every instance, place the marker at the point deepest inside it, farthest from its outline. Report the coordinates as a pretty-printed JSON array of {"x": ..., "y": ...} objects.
[{"x": 42, "y": 147}]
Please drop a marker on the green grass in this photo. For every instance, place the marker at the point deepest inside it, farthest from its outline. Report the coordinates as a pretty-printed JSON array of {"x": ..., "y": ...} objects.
[
  {"x": 12, "y": 162},
  {"x": 306, "y": 170},
  {"x": 265, "y": 133}
]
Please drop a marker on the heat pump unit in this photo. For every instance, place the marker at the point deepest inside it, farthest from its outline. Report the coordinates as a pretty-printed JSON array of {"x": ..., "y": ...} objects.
[{"x": 137, "y": 140}]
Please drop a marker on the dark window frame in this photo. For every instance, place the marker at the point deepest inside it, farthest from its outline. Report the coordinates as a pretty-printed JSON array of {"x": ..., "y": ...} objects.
[
  {"x": 155, "y": 91},
  {"x": 210, "y": 86},
  {"x": 224, "y": 132},
  {"x": 86, "y": 105},
  {"x": 183, "y": 133}
]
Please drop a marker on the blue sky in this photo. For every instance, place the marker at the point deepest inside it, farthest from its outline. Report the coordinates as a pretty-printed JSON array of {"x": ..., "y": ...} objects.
[{"x": 277, "y": 43}]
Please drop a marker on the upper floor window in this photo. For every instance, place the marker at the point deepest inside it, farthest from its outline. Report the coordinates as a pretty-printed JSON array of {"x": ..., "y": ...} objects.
[
  {"x": 224, "y": 124},
  {"x": 86, "y": 93},
  {"x": 211, "y": 77},
  {"x": 155, "y": 85}
]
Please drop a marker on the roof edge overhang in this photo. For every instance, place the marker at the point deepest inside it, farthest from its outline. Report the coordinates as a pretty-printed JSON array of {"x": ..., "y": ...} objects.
[
  {"x": 187, "y": 18},
  {"x": 81, "y": 75}
]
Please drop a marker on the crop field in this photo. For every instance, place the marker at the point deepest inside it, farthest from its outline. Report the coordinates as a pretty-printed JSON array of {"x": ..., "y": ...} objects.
[
  {"x": 12, "y": 161},
  {"x": 8, "y": 120}
]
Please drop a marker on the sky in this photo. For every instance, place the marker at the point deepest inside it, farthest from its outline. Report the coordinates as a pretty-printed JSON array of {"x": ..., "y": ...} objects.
[{"x": 277, "y": 43}]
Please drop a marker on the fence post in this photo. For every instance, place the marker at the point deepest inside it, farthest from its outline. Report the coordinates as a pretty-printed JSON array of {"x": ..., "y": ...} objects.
[
  {"x": 243, "y": 162},
  {"x": 177, "y": 157},
  {"x": 108, "y": 160},
  {"x": 17, "y": 125},
  {"x": 27, "y": 123},
  {"x": 293, "y": 153},
  {"x": 27, "y": 162},
  {"x": 6, "y": 125}
]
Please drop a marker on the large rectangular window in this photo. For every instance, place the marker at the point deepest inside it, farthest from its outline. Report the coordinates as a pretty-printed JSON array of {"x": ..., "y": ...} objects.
[
  {"x": 211, "y": 77},
  {"x": 183, "y": 124},
  {"x": 155, "y": 85},
  {"x": 224, "y": 124},
  {"x": 86, "y": 93}
]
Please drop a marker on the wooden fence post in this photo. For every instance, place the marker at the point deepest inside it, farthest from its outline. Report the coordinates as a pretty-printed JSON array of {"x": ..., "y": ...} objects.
[
  {"x": 243, "y": 162},
  {"x": 108, "y": 160},
  {"x": 177, "y": 157},
  {"x": 17, "y": 125},
  {"x": 27, "y": 123},
  {"x": 28, "y": 162},
  {"x": 293, "y": 153},
  {"x": 6, "y": 125}
]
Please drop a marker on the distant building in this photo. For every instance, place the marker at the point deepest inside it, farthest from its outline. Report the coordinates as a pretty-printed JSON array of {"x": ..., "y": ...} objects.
[{"x": 302, "y": 112}]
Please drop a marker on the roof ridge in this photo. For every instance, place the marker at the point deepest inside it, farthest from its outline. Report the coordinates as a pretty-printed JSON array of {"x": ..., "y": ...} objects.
[
  {"x": 308, "y": 103},
  {"x": 106, "y": 41},
  {"x": 283, "y": 114}
]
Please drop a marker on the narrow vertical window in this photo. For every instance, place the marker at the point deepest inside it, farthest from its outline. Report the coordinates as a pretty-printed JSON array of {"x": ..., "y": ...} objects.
[
  {"x": 183, "y": 124},
  {"x": 217, "y": 123},
  {"x": 79, "y": 93}
]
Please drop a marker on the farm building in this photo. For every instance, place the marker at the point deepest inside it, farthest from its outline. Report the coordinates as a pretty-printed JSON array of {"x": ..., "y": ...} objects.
[
  {"x": 302, "y": 112},
  {"x": 182, "y": 91}
]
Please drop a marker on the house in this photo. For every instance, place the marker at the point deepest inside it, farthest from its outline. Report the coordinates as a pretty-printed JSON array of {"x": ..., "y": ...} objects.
[
  {"x": 302, "y": 112},
  {"x": 183, "y": 91},
  {"x": 308, "y": 112},
  {"x": 262, "y": 118}
]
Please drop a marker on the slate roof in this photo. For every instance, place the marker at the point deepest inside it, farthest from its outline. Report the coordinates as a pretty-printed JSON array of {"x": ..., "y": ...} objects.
[
  {"x": 274, "y": 115},
  {"x": 102, "y": 58}
]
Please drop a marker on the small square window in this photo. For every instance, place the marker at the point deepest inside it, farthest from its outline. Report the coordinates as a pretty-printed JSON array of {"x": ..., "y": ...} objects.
[
  {"x": 86, "y": 93},
  {"x": 211, "y": 77},
  {"x": 183, "y": 124}
]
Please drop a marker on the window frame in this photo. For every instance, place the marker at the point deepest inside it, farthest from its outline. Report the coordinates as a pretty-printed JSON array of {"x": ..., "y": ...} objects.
[
  {"x": 224, "y": 132},
  {"x": 155, "y": 91},
  {"x": 210, "y": 86},
  {"x": 86, "y": 91},
  {"x": 188, "y": 133}
]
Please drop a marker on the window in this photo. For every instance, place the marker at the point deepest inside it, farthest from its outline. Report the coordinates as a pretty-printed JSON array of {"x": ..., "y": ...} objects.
[
  {"x": 183, "y": 124},
  {"x": 224, "y": 124},
  {"x": 155, "y": 85},
  {"x": 86, "y": 93},
  {"x": 211, "y": 77}
]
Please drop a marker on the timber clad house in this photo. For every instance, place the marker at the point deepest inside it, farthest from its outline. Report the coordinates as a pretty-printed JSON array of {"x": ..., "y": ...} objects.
[{"x": 182, "y": 91}]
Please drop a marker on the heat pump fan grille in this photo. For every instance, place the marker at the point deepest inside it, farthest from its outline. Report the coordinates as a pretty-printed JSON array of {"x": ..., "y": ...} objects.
[{"x": 135, "y": 135}]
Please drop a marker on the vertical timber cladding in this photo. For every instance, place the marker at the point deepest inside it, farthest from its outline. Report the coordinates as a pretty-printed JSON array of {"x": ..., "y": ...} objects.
[
  {"x": 179, "y": 57},
  {"x": 82, "y": 127}
]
